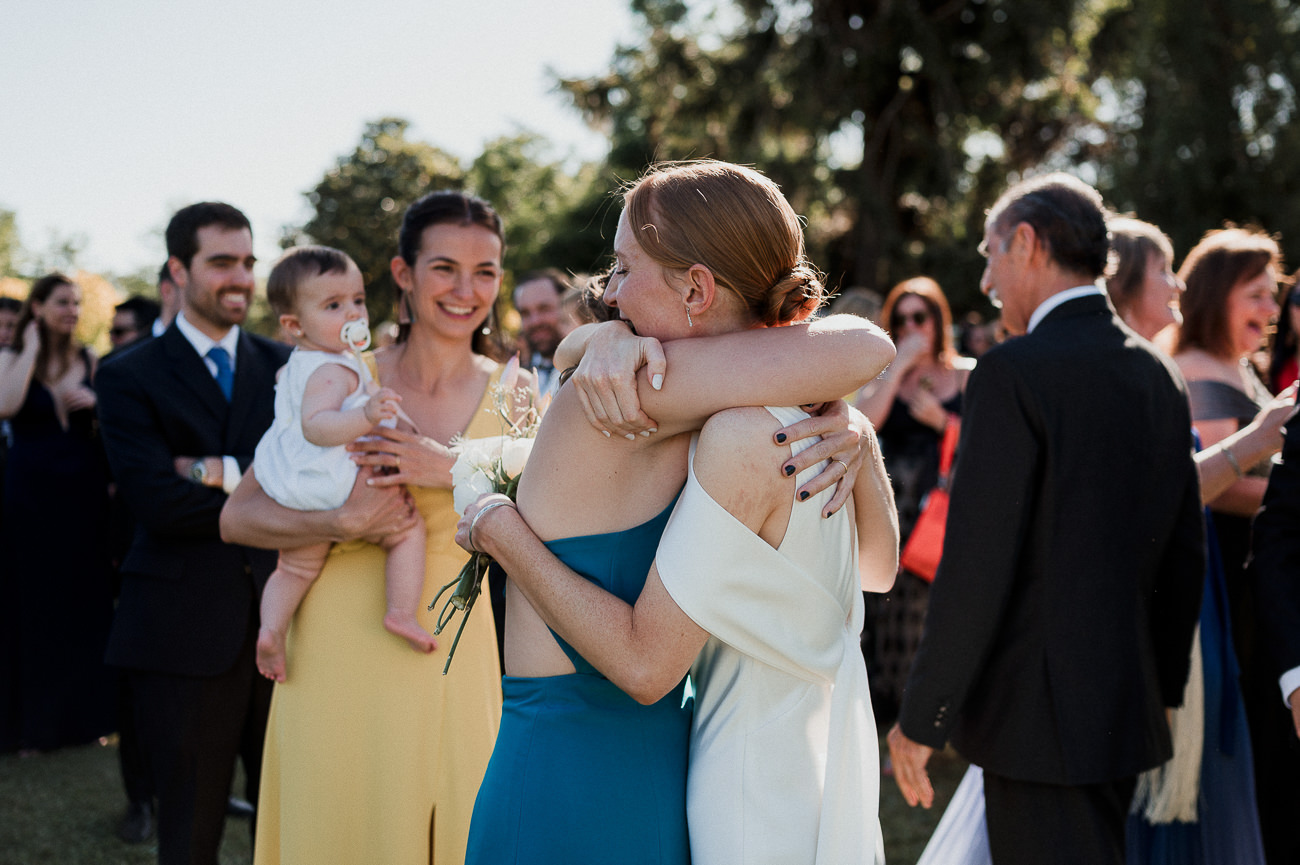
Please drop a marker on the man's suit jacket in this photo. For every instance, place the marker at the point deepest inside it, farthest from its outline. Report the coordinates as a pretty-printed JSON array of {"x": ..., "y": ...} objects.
[
  {"x": 1277, "y": 558},
  {"x": 1061, "y": 618},
  {"x": 187, "y": 598}
]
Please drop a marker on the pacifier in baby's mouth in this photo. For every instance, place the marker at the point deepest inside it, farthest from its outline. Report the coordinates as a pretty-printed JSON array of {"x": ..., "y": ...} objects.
[{"x": 356, "y": 334}]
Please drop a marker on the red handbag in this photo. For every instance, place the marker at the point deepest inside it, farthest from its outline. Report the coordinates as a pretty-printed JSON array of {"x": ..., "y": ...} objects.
[{"x": 924, "y": 546}]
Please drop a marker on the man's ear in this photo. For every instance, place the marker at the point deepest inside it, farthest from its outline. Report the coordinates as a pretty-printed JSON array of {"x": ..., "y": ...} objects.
[
  {"x": 701, "y": 289},
  {"x": 1027, "y": 246},
  {"x": 180, "y": 275}
]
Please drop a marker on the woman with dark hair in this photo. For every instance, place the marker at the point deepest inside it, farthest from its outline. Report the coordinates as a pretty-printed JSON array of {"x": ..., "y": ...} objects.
[
  {"x": 910, "y": 405},
  {"x": 372, "y": 755},
  {"x": 55, "y": 580}
]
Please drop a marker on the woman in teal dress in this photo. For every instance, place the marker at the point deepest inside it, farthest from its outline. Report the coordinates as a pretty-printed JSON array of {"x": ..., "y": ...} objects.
[{"x": 582, "y": 772}]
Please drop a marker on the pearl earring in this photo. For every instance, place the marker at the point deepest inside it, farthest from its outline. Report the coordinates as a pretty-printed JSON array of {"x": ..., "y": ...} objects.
[{"x": 689, "y": 323}]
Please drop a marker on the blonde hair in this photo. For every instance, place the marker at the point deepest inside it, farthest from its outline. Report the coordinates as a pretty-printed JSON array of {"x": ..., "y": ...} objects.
[{"x": 735, "y": 222}]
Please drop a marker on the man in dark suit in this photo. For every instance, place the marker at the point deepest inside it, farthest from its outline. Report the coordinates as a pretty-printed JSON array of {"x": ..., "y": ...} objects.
[
  {"x": 1277, "y": 590},
  {"x": 1061, "y": 619},
  {"x": 181, "y": 415}
]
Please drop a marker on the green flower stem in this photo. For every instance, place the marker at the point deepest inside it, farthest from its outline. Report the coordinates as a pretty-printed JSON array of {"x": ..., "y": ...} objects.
[{"x": 467, "y": 587}]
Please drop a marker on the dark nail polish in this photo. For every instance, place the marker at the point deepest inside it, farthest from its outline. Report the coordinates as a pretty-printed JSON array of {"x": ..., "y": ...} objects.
[
  {"x": 803, "y": 496},
  {"x": 780, "y": 438},
  {"x": 789, "y": 470}
]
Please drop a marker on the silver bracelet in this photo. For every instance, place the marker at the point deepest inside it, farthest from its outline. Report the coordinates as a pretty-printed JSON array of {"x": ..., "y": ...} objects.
[
  {"x": 1232, "y": 460},
  {"x": 478, "y": 516}
]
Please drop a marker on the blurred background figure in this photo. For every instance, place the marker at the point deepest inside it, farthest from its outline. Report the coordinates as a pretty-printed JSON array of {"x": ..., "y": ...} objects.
[
  {"x": 1229, "y": 308},
  {"x": 909, "y": 405},
  {"x": 977, "y": 335},
  {"x": 133, "y": 320},
  {"x": 1144, "y": 290},
  {"x": 169, "y": 297},
  {"x": 54, "y": 688},
  {"x": 1282, "y": 366},
  {"x": 572, "y": 310},
  {"x": 537, "y": 299},
  {"x": 384, "y": 335},
  {"x": 859, "y": 301},
  {"x": 10, "y": 309}
]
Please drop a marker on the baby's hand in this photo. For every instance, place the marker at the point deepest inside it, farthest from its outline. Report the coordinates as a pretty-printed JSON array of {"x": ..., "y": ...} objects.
[{"x": 382, "y": 405}]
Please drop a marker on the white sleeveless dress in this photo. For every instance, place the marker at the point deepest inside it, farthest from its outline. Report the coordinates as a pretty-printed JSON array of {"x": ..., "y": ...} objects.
[
  {"x": 293, "y": 471},
  {"x": 784, "y": 760}
]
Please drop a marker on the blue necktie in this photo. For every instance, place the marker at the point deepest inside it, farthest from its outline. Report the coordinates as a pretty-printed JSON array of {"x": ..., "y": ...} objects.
[{"x": 225, "y": 375}]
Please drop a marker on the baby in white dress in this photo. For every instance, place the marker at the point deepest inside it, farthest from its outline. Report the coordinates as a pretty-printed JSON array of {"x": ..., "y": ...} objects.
[{"x": 324, "y": 399}]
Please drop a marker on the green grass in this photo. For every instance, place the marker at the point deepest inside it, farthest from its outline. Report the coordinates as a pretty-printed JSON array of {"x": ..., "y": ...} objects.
[{"x": 62, "y": 808}]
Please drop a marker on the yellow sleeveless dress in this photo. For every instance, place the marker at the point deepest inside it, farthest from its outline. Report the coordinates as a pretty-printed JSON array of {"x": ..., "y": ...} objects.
[{"x": 372, "y": 755}]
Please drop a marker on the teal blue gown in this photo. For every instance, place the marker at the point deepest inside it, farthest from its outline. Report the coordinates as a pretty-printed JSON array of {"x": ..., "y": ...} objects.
[{"x": 582, "y": 773}]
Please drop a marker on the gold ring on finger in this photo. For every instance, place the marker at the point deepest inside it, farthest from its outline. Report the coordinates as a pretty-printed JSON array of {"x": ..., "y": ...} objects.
[
  {"x": 397, "y": 462},
  {"x": 843, "y": 463}
]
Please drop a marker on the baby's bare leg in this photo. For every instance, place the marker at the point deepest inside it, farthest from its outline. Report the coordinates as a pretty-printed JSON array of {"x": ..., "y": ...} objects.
[
  {"x": 294, "y": 573},
  {"x": 404, "y": 583}
]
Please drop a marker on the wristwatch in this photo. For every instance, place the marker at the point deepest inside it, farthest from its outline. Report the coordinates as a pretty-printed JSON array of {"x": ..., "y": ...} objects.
[{"x": 199, "y": 472}]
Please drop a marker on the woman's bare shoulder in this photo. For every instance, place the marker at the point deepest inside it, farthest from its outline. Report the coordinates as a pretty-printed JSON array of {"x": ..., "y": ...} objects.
[
  {"x": 741, "y": 441},
  {"x": 738, "y": 462}
]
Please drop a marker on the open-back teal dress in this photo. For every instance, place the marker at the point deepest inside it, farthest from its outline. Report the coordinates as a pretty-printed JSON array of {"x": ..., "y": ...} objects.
[{"x": 581, "y": 772}]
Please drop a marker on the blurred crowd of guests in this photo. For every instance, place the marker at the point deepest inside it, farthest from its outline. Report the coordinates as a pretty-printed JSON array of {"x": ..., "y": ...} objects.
[{"x": 1229, "y": 318}]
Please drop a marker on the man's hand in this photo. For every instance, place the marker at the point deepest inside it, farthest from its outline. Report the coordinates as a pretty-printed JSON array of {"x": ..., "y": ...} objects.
[{"x": 909, "y": 768}]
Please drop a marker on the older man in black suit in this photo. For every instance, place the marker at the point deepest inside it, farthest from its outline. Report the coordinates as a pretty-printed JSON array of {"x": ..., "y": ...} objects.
[
  {"x": 181, "y": 416},
  {"x": 1061, "y": 619}
]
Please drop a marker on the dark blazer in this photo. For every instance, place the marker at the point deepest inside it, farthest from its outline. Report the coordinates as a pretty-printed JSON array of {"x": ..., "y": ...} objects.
[
  {"x": 187, "y": 598},
  {"x": 1277, "y": 558},
  {"x": 1061, "y": 618}
]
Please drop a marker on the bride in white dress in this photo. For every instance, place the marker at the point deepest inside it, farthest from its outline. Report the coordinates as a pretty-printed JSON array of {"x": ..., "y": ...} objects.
[{"x": 757, "y": 594}]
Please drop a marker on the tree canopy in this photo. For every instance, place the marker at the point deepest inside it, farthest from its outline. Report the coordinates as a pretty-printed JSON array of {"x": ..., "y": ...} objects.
[{"x": 893, "y": 126}]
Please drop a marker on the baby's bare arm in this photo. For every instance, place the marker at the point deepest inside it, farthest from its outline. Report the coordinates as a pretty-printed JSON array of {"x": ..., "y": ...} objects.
[{"x": 325, "y": 423}]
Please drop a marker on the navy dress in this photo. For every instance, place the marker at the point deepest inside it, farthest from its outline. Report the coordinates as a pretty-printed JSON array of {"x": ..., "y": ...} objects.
[
  {"x": 55, "y": 579},
  {"x": 582, "y": 773},
  {"x": 1226, "y": 831}
]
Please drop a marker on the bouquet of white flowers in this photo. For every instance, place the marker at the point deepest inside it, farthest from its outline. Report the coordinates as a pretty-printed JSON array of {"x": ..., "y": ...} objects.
[{"x": 489, "y": 465}]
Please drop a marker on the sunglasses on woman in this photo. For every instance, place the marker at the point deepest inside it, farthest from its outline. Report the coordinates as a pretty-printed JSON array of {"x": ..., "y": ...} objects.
[{"x": 916, "y": 318}]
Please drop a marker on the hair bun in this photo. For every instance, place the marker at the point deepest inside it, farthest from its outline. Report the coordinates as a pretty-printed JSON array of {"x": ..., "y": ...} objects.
[{"x": 796, "y": 294}]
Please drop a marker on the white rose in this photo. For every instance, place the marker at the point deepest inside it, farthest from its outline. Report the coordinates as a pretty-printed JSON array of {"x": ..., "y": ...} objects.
[
  {"x": 466, "y": 493},
  {"x": 514, "y": 455}
]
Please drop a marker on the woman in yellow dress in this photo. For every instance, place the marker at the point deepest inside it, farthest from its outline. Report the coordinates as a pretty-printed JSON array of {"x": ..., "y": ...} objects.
[{"x": 372, "y": 755}]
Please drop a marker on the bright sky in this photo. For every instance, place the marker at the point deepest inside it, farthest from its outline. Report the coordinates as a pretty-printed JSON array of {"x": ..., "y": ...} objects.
[{"x": 115, "y": 113}]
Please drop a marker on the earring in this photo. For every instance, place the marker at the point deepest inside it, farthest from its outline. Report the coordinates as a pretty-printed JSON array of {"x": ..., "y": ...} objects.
[{"x": 689, "y": 323}]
